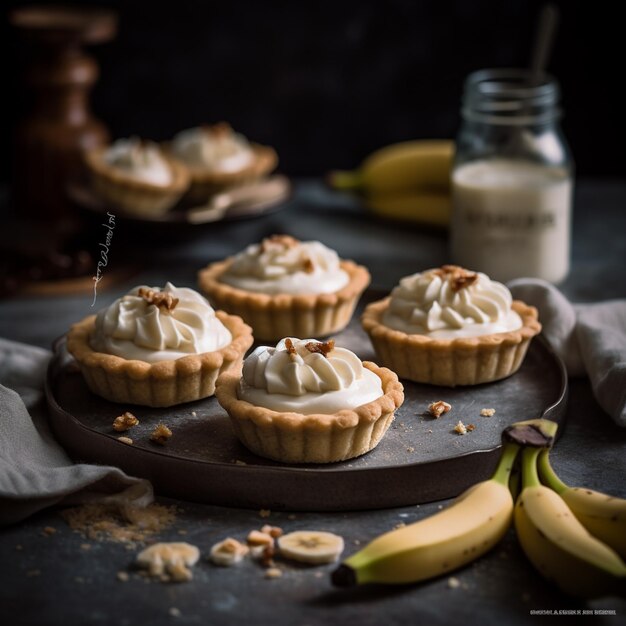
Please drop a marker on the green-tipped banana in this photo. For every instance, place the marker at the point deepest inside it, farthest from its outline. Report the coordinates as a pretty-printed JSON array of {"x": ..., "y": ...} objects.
[
  {"x": 604, "y": 516},
  {"x": 469, "y": 527},
  {"x": 423, "y": 164},
  {"x": 558, "y": 545}
]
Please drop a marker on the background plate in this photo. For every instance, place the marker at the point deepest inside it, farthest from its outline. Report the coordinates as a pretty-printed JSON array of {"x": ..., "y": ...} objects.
[{"x": 420, "y": 459}]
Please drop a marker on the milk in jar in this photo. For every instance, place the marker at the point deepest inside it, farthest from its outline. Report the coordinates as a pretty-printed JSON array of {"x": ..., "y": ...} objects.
[{"x": 512, "y": 219}]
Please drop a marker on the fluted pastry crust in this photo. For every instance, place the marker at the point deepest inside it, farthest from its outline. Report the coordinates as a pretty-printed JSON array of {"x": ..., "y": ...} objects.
[
  {"x": 160, "y": 384},
  {"x": 450, "y": 362},
  {"x": 283, "y": 315},
  {"x": 316, "y": 438},
  {"x": 136, "y": 196}
]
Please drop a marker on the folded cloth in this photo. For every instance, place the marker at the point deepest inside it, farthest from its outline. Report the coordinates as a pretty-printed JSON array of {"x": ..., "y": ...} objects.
[
  {"x": 35, "y": 472},
  {"x": 590, "y": 338}
]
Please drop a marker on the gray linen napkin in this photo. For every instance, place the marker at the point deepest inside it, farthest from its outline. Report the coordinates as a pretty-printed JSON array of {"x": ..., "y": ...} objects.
[
  {"x": 590, "y": 338},
  {"x": 35, "y": 472}
]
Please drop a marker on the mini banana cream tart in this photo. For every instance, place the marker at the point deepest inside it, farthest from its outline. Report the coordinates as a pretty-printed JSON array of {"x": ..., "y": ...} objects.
[
  {"x": 218, "y": 158},
  {"x": 283, "y": 286},
  {"x": 308, "y": 401},
  {"x": 451, "y": 326},
  {"x": 137, "y": 176},
  {"x": 158, "y": 347}
]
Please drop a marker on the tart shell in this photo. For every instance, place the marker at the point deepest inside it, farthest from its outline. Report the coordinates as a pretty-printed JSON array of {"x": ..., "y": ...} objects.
[
  {"x": 315, "y": 438},
  {"x": 160, "y": 384},
  {"x": 282, "y": 315},
  {"x": 205, "y": 183},
  {"x": 134, "y": 196},
  {"x": 450, "y": 362}
]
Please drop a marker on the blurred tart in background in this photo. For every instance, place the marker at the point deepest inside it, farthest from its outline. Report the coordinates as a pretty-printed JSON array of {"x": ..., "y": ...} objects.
[
  {"x": 218, "y": 158},
  {"x": 137, "y": 176}
]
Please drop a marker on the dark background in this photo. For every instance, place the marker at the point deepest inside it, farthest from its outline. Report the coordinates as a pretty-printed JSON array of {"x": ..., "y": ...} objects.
[{"x": 328, "y": 82}]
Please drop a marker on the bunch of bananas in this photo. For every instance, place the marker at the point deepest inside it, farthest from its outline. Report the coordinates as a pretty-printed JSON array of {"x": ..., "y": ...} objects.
[
  {"x": 575, "y": 537},
  {"x": 407, "y": 181}
]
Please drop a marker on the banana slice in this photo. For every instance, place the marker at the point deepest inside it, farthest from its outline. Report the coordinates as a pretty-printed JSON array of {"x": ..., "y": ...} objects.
[
  {"x": 311, "y": 546},
  {"x": 228, "y": 552}
]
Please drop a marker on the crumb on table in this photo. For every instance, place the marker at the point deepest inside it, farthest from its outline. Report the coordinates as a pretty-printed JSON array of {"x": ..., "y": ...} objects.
[{"x": 487, "y": 412}]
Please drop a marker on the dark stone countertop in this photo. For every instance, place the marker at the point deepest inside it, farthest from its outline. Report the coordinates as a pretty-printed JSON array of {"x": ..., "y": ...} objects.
[{"x": 75, "y": 586}]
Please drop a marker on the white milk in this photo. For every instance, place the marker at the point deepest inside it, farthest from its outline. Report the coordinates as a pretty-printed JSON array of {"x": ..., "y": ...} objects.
[{"x": 511, "y": 219}]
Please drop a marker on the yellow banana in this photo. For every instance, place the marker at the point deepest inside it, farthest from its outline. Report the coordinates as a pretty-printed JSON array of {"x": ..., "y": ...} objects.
[
  {"x": 604, "y": 516},
  {"x": 402, "y": 168},
  {"x": 469, "y": 527},
  {"x": 427, "y": 208},
  {"x": 558, "y": 545}
]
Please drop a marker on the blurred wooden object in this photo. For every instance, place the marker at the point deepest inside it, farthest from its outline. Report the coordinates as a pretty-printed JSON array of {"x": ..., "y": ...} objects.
[{"x": 50, "y": 140}]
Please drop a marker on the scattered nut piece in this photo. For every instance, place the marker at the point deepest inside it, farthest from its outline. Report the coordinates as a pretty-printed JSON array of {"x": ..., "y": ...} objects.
[
  {"x": 123, "y": 577},
  {"x": 292, "y": 516},
  {"x": 273, "y": 572},
  {"x": 169, "y": 561},
  {"x": 487, "y": 412},
  {"x": 460, "y": 428},
  {"x": 400, "y": 525},
  {"x": 228, "y": 552},
  {"x": 238, "y": 462},
  {"x": 470, "y": 428},
  {"x": 265, "y": 512},
  {"x": 454, "y": 583},
  {"x": 308, "y": 266},
  {"x": 49, "y": 530},
  {"x": 125, "y": 421},
  {"x": 85, "y": 546},
  {"x": 410, "y": 449},
  {"x": 258, "y": 538},
  {"x": 437, "y": 409},
  {"x": 272, "y": 531},
  {"x": 161, "y": 434},
  {"x": 127, "y": 440}
]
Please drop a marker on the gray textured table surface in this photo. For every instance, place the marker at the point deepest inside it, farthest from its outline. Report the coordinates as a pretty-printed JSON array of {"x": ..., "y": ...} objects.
[{"x": 74, "y": 586}]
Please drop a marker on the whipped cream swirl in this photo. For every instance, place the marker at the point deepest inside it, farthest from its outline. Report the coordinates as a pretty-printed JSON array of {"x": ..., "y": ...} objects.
[
  {"x": 213, "y": 148},
  {"x": 451, "y": 302},
  {"x": 282, "y": 264},
  {"x": 141, "y": 160},
  {"x": 307, "y": 376},
  {"x": 153, "y": 325}
]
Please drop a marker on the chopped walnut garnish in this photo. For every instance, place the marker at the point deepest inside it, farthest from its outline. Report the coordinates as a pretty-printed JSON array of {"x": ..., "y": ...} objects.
[
  {"x": 125, "y": 421},
  {"x": 460, "y": 428},
  {"x": 159, "y": 299},
  {"x": 457, "y": 276},
  {"x": 161, "y": 434},
  {"x": 220, "y": 129},
  {"x": 290, "y": 347},
  {"x": 437, "y": 409},
  {"x": 258, "y": 538},
  {"x": 308, "y": 266},
  {"x": 487, "y": 412},
  {"x": 126, "y": 440},
  {"x": 278, "y": 241},
  {"x": 321, "y": 347}
]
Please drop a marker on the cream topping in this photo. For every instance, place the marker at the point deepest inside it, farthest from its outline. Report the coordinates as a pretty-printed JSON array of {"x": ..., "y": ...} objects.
[
  {"x": 307, "y": 376},
  {"x": 451, "y": 302},
  {"x": 282, "y": 264},
  {"x": 216, "y": 148},
  {"x": 141, "y": 160},
  {"x": 152, "y": 325}
]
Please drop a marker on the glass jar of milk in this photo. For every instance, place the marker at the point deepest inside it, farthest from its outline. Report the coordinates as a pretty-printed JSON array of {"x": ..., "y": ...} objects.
[{"x": 512, "y": 178}]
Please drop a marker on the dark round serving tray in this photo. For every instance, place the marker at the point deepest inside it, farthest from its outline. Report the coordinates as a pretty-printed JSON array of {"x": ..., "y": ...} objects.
[{"x": 420, "y": 459}]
